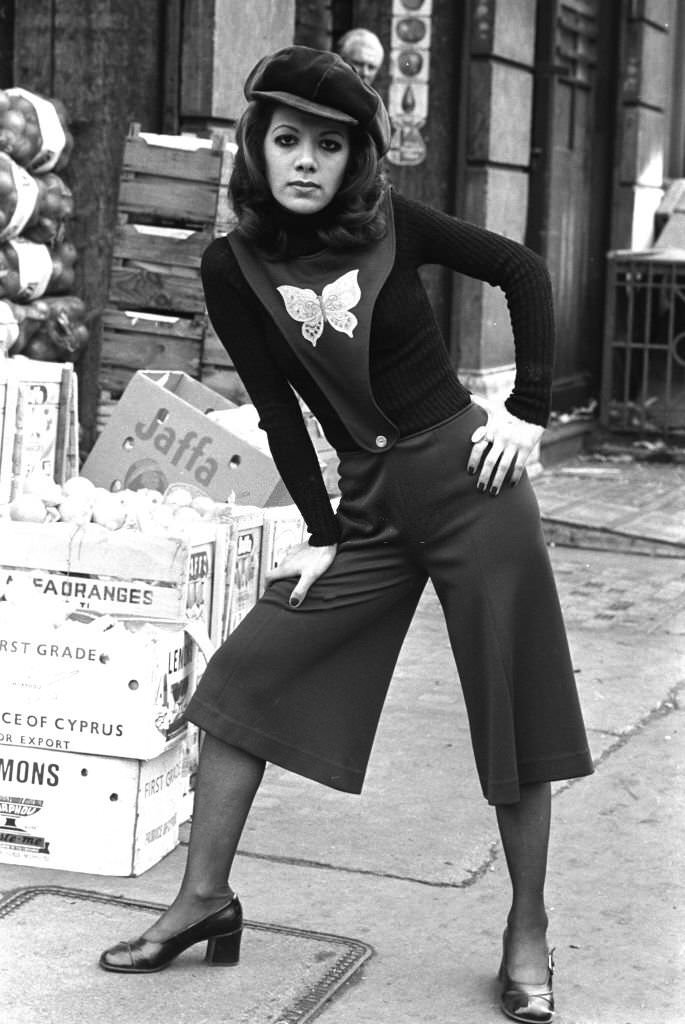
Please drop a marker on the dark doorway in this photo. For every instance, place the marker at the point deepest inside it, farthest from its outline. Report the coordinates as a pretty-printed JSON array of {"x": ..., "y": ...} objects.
[{"x": 571, "y": 175}]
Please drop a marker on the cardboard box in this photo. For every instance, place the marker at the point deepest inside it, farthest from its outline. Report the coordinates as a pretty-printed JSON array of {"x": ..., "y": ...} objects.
[
  {"x": 78, "y": 812},
  {"x": 68, "y": 445},
  {"x": 159, "y": 434},
  {"x": 122, "y": 572},
  {"x": 104, "y": 687},
  {"x": 44, "y": 425},
  {"x": 8, "y": 419},
  {"x": 243, "y": 568},
  {"x": 190, "y": 744},
  {"x": 284, "y": 528},
  {"x": 38, "y": 422}
]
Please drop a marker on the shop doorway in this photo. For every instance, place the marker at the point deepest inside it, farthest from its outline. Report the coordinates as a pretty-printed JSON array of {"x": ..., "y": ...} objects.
[{"x": 570, "y": 185}]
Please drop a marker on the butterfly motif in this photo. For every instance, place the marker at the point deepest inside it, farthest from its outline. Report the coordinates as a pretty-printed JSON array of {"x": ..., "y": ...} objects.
[{"x": 331, "y": 307}]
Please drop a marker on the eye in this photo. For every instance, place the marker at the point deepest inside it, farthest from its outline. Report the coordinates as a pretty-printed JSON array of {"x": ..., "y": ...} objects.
[
  {"x": 331, "y": 145},
  {"x": 285, "y": 139}
]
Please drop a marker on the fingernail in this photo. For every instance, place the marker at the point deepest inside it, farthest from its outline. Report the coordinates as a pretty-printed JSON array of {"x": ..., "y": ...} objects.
[
  {"x": 294, "y": 602},
  {"x": 470, "y": 471},
  {"x": 481, "y": 487},
  {"x": 494, "y": 491}
]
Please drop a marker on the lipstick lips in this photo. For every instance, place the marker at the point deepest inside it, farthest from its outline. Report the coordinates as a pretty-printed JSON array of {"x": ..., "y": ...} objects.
[{"x": 303, "y": 184}]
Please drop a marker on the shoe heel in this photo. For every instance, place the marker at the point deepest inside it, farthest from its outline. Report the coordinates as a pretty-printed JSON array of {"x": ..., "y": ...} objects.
[{"x": 224, "y": 950}]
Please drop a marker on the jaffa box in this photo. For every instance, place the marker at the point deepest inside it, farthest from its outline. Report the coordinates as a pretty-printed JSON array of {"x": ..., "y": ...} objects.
[{"x": 160, "y": 433}]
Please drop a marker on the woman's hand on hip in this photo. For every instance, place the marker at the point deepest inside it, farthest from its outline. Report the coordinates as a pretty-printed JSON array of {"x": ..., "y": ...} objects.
[
  {"x": 308, "y": 563},
  {"x": 501, "y": 445}
]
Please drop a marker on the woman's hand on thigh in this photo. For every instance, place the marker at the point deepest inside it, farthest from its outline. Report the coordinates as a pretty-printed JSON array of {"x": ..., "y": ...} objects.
[
  {"x": 308, "y": 563},
  {"x": 502, "y": 445}
]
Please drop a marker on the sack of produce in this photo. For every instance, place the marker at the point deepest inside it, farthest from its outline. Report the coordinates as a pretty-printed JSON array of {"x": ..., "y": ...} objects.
[
  {"x": 35, "y": 208},
  {"x": 9, "y": 328},
  {"x": 54, "y": 207},
  {"x": 33, "y": 130},
  {"x": 53, "y": 329},
  {"x": 29, "y": 270},
  {"x": 19, "y": 192},
  {"x": 61, "y": 333}
]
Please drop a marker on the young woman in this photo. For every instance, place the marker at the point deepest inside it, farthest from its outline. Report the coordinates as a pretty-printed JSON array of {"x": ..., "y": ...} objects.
[{"x": 317, "y": 290}]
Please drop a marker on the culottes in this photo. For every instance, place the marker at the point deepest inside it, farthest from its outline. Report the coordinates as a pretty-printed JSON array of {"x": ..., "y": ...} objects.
[{"x": 304, "y": 688}]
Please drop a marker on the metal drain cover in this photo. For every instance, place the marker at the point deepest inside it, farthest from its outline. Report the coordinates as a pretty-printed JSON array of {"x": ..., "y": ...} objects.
[{"x": 52, "y": 938}]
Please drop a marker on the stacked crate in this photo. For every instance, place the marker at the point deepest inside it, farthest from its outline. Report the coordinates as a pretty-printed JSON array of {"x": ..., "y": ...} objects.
[
  {"x": 172, "y": 202},
  {"x": 104, "y": 634},
  {"x": 95, "y": 757}
]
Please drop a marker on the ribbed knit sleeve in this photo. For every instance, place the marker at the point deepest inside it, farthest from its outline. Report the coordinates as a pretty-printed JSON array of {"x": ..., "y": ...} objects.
[
  {"x": 238, "y": 321},
  {"x": 435, "y": 237}
]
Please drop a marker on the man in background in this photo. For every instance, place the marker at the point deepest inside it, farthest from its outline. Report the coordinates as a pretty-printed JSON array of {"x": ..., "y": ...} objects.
[{"x": 363, "y": 51}]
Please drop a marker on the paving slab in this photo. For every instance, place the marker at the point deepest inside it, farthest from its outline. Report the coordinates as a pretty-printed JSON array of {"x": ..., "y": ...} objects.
[{"x": 634, "y": 506}]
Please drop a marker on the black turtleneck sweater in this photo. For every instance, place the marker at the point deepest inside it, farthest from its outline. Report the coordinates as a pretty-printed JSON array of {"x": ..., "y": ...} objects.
[{"x": 413, "y": 381}]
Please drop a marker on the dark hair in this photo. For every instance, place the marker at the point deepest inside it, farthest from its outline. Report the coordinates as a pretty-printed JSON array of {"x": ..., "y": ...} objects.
[{"x": 356, "y": 216}]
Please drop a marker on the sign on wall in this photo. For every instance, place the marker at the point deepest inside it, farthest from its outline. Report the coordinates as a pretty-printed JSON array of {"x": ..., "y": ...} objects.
[{"x": 410, "y": 41}]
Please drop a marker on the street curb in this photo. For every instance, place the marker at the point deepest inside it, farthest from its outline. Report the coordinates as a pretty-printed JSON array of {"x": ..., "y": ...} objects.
[{"x": 573, "y": 535}]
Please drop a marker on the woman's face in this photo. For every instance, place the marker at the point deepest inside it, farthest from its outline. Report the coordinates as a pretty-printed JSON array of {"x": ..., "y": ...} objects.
[{"x": 305, "y": 157}]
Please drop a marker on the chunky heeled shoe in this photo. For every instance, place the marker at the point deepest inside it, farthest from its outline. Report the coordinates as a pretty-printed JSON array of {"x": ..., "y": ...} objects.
[
  {"x": 222, "y": 930},
  {"x": 528, "y": 1004}
]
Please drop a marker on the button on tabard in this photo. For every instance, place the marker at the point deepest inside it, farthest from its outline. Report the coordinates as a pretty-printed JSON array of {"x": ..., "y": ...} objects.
[{"x": 381, "y": 441}]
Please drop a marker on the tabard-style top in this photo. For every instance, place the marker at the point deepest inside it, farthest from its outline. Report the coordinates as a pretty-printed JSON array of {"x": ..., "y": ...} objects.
[
  {"x": 323, "y": 306},
  {"x": 412, "y": 378}
]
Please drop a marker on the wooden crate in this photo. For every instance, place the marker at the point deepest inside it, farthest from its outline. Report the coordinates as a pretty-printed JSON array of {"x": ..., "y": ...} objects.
[
  {"x": 143, "y": 341},
  {"x": 106, "y": 407},
  {"x": 213, "y": 352},
  {"x": 172, "y": 202},
  {"x": 177, "y": 180},
  {"x": 217, "y": 370},
  {"x": 157, "y": 268}
]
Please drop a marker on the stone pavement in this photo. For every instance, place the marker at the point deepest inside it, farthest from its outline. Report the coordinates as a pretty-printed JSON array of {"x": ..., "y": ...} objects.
[
  {"x": 413, "y": 869},
  {"x": 615, "y": 504}
]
